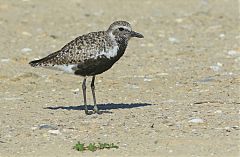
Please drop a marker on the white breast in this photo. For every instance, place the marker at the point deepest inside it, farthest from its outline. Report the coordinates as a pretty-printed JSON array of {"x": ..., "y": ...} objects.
[
  {"x": 66, "y": 68},
  {"x": 110, "y": 53}
]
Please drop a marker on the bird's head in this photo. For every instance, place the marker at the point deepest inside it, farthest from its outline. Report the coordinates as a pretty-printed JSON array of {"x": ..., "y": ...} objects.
[{"x": 122, "y": 30}]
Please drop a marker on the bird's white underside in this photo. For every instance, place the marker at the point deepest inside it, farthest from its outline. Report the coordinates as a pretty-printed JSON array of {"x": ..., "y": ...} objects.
[
  {"x": 66, "y": 68},
  {"x": 109, "y": 54}
]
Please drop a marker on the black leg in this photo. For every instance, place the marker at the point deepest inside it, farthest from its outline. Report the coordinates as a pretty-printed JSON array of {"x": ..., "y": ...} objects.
[
  {"x": 95, "y": 108},
  {"x": 84, "y": 95}
]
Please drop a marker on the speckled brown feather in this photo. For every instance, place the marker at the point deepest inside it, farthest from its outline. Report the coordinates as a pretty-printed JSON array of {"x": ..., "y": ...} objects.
[{"x": 77, "y": 51}]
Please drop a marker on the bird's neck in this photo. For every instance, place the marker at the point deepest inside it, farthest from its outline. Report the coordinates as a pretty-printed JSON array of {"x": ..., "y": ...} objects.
[
  {"x": 121, "y": 43},
  {"x": 121, "y": 49}
]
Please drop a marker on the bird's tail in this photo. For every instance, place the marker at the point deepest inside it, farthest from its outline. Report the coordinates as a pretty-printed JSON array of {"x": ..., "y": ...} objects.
[
  {"x": 44, "y": 61},
  {"x": 35, "y": 63}
]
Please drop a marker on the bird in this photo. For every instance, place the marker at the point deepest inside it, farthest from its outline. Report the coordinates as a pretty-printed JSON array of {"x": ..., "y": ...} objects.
[{"x": 91, "y": 54}]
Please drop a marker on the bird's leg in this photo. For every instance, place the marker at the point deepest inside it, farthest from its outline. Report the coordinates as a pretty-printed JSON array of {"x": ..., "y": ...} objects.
[
  {"x": 84, "y": 95},
  {"x": 95, "y": 108}
]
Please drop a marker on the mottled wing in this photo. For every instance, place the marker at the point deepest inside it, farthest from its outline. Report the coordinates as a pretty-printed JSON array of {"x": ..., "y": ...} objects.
[{"x": 75, "y": 52}]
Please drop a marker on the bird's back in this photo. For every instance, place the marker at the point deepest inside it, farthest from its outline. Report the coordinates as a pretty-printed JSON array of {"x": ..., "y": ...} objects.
[
  {"x": 76, "y": 51},
  {"x": 88, "y": 54}
]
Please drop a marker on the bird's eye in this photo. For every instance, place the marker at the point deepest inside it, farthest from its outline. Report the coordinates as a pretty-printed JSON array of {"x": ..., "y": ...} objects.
[{"x": 121, "y": 29}]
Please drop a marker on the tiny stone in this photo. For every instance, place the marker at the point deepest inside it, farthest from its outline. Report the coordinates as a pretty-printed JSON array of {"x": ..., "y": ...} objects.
[
  {"x": 222, "y": 35},
  {"x": 53, "y": 36},
  {"x": 227, "y": 128},
  {"x": 26, "y": 34},
  {"x": 55, "y": 132},
  {"x": 219, "y": 64},
  {"x": 105, "y": 124},
  {"x": 215, "y": 68},
  {"x": 236, "y": 127},
  {"x": 5, "y": 60},
  {"x": 26, "y": 50},
  {"x": 75, "y": 90},
  {"x": 34, "y": 128},
  {"x": 173, "y": 40},
  {"x": 147, "y": 79},
  {"x": 179, "y": 20},
  {"x": 46, "y": 126},
  {"x": 162, "y": 74},
  {"x": 206, "y": 79},
  {"x": 232, "y": 53},
  {"x": 218, "y": 111},
  {"x": 196, "y": 120}
]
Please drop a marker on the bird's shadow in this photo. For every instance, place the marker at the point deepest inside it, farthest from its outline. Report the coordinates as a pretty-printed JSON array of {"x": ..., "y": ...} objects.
[{"x": 104, "y": 108}]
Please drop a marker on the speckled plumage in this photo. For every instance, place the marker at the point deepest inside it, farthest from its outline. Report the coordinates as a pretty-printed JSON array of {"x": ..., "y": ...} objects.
[
  {"x": 91, "y": 54},
  {"x": 80, "y": 52}
]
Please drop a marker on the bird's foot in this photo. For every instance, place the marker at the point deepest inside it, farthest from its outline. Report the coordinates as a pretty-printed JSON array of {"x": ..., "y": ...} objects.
[
  {"x": 87, "y": 112},
  {"x": 96, "y": 110}
]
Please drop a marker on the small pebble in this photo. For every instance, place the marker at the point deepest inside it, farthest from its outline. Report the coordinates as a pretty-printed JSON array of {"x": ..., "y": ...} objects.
[
  {"x": 206, "y": 79},
  {"x": 196, "y": 120},
  {"x": 232, "y": 53},
  {"x": 26, "y": 49},
  {"x": 54, "y": 132},
  {"x": 219, "y": 64},
  {"x": 75, "y": 90},
  {"x": 222, "y": 35},
  {"x": 162, "y": 74},
  {"x": 26, "y": 34},
  {"x": 179, "y": 20},
  {"x": 236, "y": 127},
  {"x": 34, "y": 128},
  {"x": 147, "y": 79},
  {"x": 216, "y": 67},
  {"x": 218, "y": 111},
  {"x": 227, "y": 128},
  {"x": 47, "y": 126},
  {"x": 173, "y": 40},
  {"x": 5, "y": 60}
]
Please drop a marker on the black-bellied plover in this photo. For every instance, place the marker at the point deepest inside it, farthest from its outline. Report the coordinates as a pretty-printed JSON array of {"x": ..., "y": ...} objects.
[{"x": 91, "y": 54}]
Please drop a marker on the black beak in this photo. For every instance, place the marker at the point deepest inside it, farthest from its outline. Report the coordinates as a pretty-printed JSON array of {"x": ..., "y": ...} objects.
[{"x": 135, "y": 34}]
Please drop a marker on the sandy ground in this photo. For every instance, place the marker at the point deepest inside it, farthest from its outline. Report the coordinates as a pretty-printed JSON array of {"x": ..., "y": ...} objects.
[{"x": 173, "y": 93}]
